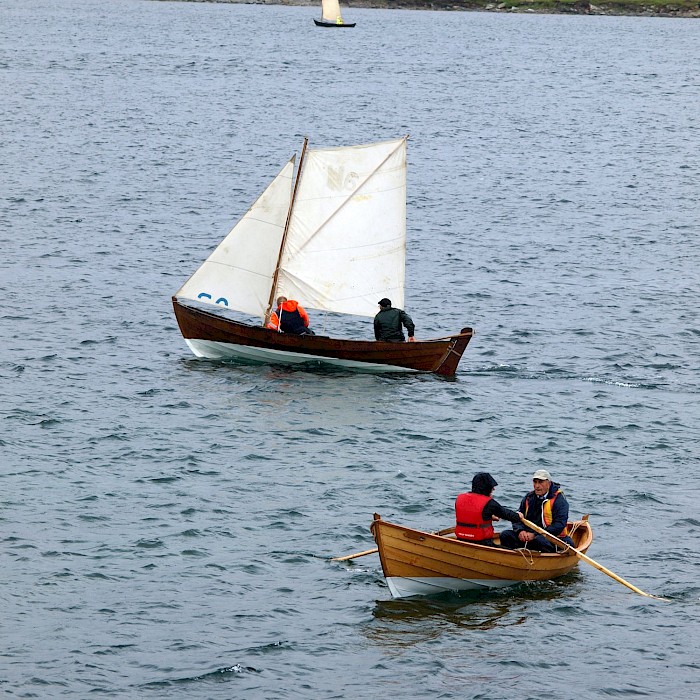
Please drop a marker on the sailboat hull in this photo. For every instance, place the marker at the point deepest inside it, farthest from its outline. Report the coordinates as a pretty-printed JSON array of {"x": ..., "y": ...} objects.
[
  {"x": 213, "y": 336},
  {"x": 324, "y": 23}
]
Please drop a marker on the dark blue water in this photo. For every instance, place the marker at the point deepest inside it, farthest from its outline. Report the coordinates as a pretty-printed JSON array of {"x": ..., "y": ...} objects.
[{"x": 166, "y": 523}]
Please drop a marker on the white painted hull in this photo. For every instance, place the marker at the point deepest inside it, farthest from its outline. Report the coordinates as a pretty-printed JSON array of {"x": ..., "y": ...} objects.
[
  {"x": 215, "y": 350},
  {"x": 404, "y": 587}
]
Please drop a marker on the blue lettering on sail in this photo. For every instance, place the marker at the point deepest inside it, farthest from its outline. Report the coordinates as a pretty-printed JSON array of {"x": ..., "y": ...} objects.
[{"x": 220, "y": 300}]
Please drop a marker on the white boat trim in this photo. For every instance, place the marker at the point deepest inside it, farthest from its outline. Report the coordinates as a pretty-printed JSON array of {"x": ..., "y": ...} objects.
[
  {"x": 404, "y": 586},
  {"x": 214, "y": 350}
]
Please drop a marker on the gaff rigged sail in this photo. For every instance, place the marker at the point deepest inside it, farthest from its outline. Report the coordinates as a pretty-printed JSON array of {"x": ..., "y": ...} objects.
[{"x": 346, "y": 244}]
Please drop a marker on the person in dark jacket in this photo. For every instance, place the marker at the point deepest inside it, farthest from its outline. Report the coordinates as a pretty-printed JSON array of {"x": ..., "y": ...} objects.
[
  {"x": 545, "y": 506},
  {"x": 476, "y": 510},
  {"x": 389, "y": 321}
]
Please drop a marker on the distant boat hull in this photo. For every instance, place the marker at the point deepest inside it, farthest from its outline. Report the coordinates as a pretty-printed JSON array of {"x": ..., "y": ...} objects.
[
  {"x": 213, "y": 336},
  {"x": 419, "y": 563},
  {"x": 324, "y": 23}
]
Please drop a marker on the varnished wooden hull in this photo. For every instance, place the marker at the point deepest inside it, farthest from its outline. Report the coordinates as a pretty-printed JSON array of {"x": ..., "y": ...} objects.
[
  {"x": 420, "y": 563},
  {"x": 211, "y": 335}
]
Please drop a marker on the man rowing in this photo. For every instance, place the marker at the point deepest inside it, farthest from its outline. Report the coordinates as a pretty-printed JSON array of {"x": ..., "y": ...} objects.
[{"x": 545, "y": 506}]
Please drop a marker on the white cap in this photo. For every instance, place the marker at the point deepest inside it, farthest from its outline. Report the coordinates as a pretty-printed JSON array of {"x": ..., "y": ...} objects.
[{"x": 542, "y": 474}]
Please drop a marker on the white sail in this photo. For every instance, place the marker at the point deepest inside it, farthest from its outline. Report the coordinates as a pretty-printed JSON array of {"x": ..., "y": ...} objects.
[
  {"x": 346, "y": 244},
  {"x": 238, "y": 274},
  {"x": 330, "y": 11}
]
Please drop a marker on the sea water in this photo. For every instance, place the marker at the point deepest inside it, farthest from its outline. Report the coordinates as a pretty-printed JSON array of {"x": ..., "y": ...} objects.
[{"x": 167, "y": 522}]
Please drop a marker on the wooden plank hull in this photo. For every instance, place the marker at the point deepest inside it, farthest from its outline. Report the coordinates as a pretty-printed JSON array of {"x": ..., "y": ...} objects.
[
  {"x": 211, "y": 335},
  {"x": 420, "y": 563}
]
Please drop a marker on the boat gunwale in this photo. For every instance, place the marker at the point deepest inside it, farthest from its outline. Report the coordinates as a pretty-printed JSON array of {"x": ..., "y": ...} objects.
[
  {"x": 467, "y": 331},
  {"x": 500, "y": 550}
]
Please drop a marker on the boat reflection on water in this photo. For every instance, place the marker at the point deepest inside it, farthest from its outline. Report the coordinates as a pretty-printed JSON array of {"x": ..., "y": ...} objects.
[{"x": 404, "y": 622}]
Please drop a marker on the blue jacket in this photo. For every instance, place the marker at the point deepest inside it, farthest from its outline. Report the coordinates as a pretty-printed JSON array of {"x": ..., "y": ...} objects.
[{"x": 532, "y": 503}]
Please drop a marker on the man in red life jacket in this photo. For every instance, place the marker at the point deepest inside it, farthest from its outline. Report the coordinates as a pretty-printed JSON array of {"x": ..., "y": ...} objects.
[
  {"x": 476, "y": 510},
  {"x": 294, "y": 318},
  {"x": 545, "y": 506}
]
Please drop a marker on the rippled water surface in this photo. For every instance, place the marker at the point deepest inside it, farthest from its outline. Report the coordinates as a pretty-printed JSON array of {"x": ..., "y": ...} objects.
[{"x": 167, "y": 523}]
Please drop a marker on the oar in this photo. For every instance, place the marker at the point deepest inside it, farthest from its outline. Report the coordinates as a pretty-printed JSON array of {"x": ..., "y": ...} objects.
[
  {"x": 356, "y": 555},
  {"x": 447, "y": 531},
  {"x": 587, "y": 559}
]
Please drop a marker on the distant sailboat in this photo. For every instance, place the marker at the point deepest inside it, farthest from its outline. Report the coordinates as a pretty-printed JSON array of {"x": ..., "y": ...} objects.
[{"x": 330, "y": 15}]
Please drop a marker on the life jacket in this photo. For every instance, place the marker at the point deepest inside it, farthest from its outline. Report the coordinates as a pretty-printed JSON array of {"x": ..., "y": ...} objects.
[
  {"x": 547, "y": 516},
  {"x": 294, "y": 318},
  {"x": 470, "y": 523}
]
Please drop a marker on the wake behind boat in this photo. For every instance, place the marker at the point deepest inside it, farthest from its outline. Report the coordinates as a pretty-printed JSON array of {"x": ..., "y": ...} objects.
[
  {"x": 421, "y": 563},
  {"x": 333, "y": 236}
]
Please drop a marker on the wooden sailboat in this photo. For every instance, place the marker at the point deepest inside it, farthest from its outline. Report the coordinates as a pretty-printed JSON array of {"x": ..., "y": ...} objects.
[
  {"x": 330, "y": 15},
  {"x": 421, "y": 563},
  {"x": 333, "y": 237}
]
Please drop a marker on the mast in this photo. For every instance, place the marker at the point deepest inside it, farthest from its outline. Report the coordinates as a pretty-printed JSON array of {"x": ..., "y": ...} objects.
[{"x": 275, "y": 277}]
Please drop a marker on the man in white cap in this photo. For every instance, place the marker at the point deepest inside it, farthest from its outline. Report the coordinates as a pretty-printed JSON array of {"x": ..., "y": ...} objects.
[{"x": 545, "y": 506}]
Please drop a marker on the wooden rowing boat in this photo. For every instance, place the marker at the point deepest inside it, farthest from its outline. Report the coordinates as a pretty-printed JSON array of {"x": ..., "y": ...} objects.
[{"x": 421, "y": 563}]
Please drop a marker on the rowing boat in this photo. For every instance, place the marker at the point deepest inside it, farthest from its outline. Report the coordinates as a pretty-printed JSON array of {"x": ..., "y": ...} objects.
[{"x": 422, "y": 563}]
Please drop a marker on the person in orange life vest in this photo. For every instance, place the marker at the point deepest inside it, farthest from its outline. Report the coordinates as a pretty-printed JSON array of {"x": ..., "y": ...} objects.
[
  {"x": 476, "y": 510},
  {"x": 295, "y": 320},
  {"x": 545, "y": 506}
]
